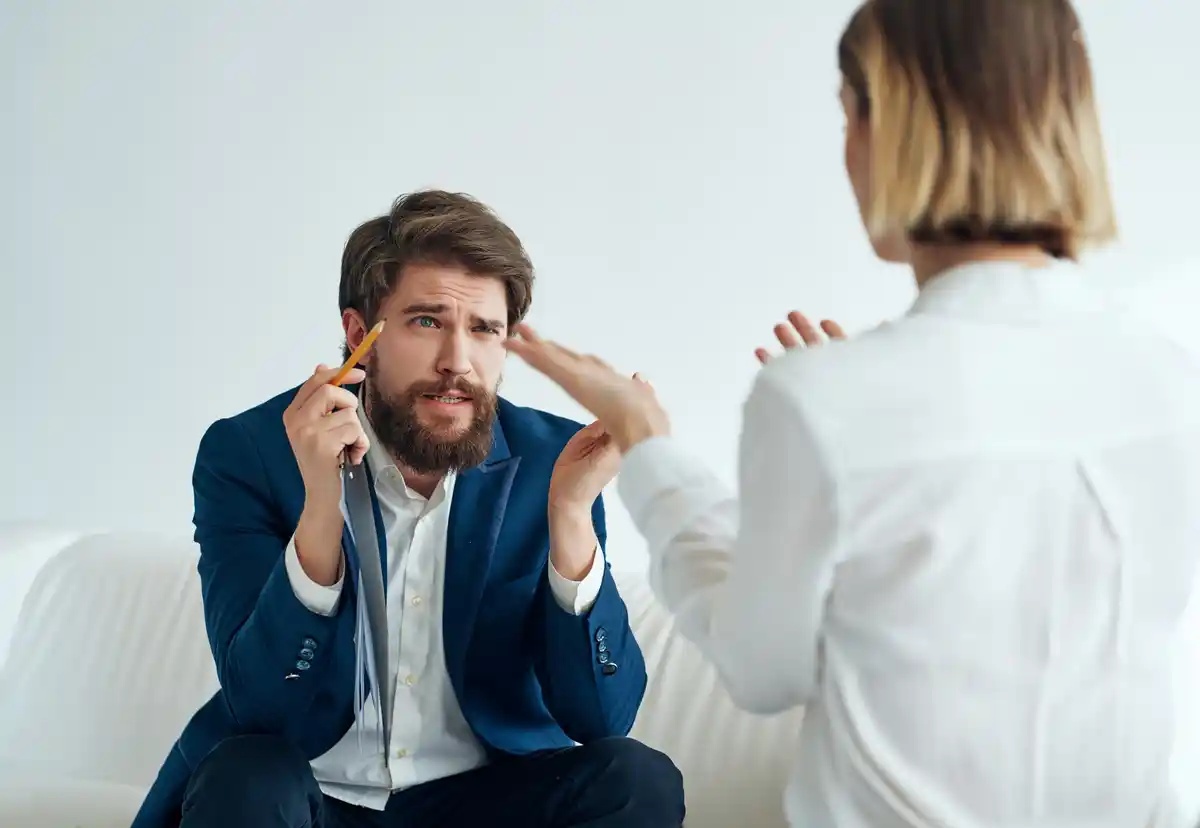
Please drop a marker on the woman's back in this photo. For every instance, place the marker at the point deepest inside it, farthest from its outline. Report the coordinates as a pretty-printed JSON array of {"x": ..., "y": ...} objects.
[
  {"x": 964, "y": 540},
  {"x": 1016, "y": 470}
]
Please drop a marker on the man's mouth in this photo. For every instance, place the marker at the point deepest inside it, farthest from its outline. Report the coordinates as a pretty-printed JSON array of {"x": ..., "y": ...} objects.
[{"x": 449, "y": 399}]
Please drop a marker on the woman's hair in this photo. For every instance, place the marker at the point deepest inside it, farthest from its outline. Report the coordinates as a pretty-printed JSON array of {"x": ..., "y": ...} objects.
[{"x": 982, "y": 123}]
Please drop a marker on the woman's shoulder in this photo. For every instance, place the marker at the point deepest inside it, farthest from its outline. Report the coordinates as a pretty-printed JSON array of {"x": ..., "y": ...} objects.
[{"x": 838, "y": 367}]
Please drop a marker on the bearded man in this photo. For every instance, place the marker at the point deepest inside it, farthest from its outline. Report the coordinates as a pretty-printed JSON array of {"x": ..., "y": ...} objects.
[{"x": 404, "y": 577}]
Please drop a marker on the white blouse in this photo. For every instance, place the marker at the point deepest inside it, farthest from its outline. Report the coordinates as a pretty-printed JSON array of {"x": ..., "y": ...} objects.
[{"x": 964, "y": 542}]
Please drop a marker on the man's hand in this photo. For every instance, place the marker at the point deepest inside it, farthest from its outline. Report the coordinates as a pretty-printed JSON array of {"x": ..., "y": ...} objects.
[
  {"x": 321, "y": 422},
  {"x": 798, "y": 329},
  {"x": 587, "y": 463}
]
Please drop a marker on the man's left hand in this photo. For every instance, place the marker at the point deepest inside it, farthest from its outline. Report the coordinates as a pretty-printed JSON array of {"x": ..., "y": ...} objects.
[{"x": 587, "y": 463}]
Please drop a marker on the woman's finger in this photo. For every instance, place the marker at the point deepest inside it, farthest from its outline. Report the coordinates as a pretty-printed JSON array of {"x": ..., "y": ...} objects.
[
  {"x": 807, "y": 330},
  {"x": 572, "y": 373},
  {"x": 832, "y": 329},
  {"x": 786, "y": 334},
  {"x": 526, "y": 332}
]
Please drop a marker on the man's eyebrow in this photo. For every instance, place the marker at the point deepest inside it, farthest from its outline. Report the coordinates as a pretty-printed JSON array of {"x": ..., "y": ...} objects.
[
  {"x": 435, "y": 307},
  {"x": 426, "y": 307}
]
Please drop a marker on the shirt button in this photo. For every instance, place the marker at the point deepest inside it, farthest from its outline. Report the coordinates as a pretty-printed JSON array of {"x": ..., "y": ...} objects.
[
  {"x": 410, "y": 679},
  {"x": 400, "y": 753},
  {"x": 416, "y": 600}
]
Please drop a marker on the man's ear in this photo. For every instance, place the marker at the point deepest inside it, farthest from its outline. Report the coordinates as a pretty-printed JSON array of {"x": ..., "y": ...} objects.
[{"x": 355, "y": 328}]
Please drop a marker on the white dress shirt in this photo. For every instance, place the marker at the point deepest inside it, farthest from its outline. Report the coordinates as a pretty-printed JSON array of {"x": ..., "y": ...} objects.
[
  {"x": 964, "y": 541},
  {"x": 430, "y": 738}
]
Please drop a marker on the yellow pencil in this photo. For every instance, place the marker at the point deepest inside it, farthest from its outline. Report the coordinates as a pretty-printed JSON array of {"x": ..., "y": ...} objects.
[
  {"x": 359, "y": 353},
  {"x": 353, "y": 360}
]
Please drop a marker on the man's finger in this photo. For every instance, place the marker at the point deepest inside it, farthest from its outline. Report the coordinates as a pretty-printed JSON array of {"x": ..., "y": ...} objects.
[
  {"x": 594, "y": 429},
  {"x": 326, "y": 399},
  {"x": 764, "y": 356},
  {"x": 321, "y": 375}
]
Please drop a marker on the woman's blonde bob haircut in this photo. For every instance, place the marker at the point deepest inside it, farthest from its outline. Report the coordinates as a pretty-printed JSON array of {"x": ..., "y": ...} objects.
[{"x": 981, "y": 121}]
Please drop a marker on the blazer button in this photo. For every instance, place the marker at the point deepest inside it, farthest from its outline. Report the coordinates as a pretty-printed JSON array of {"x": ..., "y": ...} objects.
[
  {"x": 602, "y": 647},
  {"x": 603, "y": 658},
  {"x": 309, "y": 644},
  {"x": 306, "y": 654},
  {"x": 609, "y": 669},
  {"x": 601, "y": 634},
  {"x": 302, "y": 665}
]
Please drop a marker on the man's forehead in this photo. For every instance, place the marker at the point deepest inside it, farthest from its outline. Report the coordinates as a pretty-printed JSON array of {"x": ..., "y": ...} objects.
[{"x": 455, "y": 288}]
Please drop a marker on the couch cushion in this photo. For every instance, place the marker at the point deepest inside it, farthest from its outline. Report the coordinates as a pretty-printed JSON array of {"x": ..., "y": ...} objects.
[
  {"x": 68, "y": 804},
  {"x": 108, "y": 661},
  {"x": 734, "y": 764}
]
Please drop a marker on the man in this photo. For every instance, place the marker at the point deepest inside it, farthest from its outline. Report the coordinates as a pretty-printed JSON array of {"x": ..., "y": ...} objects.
[{"x": 434, "y": 659}]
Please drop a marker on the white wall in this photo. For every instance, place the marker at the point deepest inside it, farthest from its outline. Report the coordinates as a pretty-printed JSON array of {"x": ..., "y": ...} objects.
[{"x": 179, "y": 178}]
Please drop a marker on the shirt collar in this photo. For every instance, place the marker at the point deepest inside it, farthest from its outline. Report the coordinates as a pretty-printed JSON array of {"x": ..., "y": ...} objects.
[{"x": 1010, "y": 292}]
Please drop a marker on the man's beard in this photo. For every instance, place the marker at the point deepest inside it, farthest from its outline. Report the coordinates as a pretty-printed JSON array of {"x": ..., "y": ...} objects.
[{"x": 418, "y": 447}]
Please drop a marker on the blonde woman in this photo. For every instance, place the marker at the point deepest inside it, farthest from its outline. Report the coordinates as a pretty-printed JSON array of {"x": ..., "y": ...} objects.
[{"x": 964, "y": 540}]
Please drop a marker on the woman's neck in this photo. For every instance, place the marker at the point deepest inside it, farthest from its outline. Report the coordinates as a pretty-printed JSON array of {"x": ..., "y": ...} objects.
[{"x": 929, "y": 260}]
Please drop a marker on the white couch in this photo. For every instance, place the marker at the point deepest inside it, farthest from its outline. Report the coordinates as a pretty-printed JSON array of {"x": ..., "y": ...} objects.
[{"x": 107, "y": 659}]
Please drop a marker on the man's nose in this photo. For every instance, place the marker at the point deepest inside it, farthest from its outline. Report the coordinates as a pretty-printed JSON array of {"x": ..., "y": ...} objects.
[{"x": 453, "y": 360}]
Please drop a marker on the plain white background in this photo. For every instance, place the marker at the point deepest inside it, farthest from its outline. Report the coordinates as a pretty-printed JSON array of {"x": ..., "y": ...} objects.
[{"x": 179, "y": 179}]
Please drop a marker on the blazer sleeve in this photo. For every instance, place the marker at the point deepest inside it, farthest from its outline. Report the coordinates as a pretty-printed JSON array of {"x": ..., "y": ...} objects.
[
  {"x": 271, "y": 651},
  {"x": 746, "y": 579},
  {"x": 591, "y": 669}
]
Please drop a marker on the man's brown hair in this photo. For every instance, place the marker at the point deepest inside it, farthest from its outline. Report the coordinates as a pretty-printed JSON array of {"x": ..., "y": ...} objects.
[
  {"x": 982, "y": 122},
  {"x": 432, "y": 227}
]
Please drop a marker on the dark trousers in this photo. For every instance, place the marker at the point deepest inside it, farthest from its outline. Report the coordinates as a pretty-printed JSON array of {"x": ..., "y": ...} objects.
[{"x": 262, "y": 782}]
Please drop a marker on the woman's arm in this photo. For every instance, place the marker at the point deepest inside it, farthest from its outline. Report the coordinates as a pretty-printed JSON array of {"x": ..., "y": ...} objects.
[{"x": 747, "y": 581}]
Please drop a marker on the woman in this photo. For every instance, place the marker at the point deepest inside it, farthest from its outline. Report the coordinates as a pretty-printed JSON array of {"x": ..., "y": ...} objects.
[{"x": 964, "y": 539}]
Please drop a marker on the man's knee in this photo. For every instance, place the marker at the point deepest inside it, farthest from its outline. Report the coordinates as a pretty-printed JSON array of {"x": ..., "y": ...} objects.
[
  {"x": 648, "y": 779},
  {"x": 252, "y": 780}
]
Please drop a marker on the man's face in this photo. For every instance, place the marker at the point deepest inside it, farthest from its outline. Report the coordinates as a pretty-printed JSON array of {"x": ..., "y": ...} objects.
[{"x": 433, "y": 373}]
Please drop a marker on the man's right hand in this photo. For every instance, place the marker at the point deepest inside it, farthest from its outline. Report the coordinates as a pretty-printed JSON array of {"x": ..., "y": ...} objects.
[{"x": 321, "y": 422}]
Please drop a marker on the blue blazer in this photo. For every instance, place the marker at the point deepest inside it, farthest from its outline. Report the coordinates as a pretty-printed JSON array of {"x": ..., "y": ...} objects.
[{"x": 527, "y": 675}]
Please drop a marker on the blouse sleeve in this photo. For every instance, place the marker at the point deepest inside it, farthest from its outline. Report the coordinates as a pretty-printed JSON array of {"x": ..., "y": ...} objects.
[{"x": 745, "y": 576}]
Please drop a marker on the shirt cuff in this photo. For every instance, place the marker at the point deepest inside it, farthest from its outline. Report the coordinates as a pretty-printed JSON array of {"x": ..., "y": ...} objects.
[
  {"x": 652, "y": 467},
  {"x": 577, "y": 597},
  {"x": 319, "y": 599}
]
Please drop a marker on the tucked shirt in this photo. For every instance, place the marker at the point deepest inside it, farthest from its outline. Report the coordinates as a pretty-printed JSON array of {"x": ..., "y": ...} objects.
[{"x": 963, "y": 541}]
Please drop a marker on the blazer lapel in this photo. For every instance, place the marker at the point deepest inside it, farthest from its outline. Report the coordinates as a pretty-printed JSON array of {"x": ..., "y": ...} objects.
[{"x": 476, "y": 514}]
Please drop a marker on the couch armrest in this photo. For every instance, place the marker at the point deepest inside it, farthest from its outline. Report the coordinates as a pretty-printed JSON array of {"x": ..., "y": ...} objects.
[
  {"x": 58, "y": 804},
  {"x": 25, "y": 547}
]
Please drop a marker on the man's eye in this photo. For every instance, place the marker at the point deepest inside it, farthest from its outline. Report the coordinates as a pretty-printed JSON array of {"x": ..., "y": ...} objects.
[
  {"x": 488, "y": 329},
  {"x": 425, "y": 322}
]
